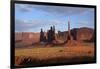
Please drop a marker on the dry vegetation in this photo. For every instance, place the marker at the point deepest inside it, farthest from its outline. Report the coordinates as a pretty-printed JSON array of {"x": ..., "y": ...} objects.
[{"x": 35, "y": 56}]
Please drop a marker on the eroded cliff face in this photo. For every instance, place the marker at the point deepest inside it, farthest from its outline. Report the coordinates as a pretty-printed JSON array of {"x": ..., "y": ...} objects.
[
  {"x": 85, "y": 34},
  {"x": 26, "y": 38},
  {"x": 80, "y": 34}
]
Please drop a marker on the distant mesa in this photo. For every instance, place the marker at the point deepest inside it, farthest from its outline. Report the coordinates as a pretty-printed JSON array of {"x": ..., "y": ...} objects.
[{"x": 78, "y": 34}]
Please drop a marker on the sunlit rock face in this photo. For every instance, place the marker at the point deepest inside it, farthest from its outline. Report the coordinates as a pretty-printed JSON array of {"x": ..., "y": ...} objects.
[
  {"x": 26, "y": 38},
  {"x": 80, "y": 34},
  {"x": 85, "y": 34}
]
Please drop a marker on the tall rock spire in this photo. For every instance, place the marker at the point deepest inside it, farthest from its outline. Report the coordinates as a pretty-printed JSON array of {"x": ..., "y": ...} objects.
[
  {"x": 69, "y": 32},
  {"x": 68, "y": 26}
]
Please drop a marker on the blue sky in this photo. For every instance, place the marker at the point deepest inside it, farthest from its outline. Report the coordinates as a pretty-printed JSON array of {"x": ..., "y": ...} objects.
[{"x": 31, "y": 18}]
